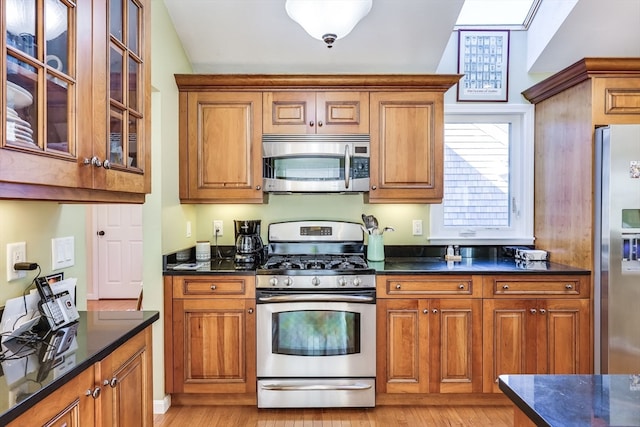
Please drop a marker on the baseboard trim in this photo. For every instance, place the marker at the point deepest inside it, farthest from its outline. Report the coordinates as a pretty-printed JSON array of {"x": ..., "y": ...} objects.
[{"x": 162, "y": 406}]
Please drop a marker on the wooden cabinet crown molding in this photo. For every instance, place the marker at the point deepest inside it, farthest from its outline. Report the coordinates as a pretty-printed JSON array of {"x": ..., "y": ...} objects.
[
  {"x": 217, "y": 82},
  {"x": 580, "y": 71}
]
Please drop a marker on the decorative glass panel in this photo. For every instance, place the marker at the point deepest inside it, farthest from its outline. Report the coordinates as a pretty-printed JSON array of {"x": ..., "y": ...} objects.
[
  {"x": 21, "y": 25},
  {"x": 115, "y": 75},
  {"x": 57, "y": 114},
  {"x": 115, "y": 137},
  {"x": 134, "y": 74},
  {"x": 134, "y": 13},
  {"x": 115, "y": 18},
  {"x": 22, "y": 113},
  {"x": 57, "y": 35}
]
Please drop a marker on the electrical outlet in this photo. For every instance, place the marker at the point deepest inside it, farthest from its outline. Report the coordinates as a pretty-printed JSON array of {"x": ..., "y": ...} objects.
[
  {"x": 16, "y": 252},
  {"x": 188, "y": 233},
  {"x": 417, "y": 227},
  {"x": 218, "y": 229}
]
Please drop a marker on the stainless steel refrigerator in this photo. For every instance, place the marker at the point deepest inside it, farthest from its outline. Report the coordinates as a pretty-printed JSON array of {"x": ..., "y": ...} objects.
[{"x": 617, "y": 250}]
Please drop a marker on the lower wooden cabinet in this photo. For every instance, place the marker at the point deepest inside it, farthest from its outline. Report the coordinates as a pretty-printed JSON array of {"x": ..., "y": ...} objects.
[
  {"x": 211, "y": 327},
  {"x": 530, "y": 327},
  {"x": 117, "y": 391},
  {"x": 429, "y": 334}
]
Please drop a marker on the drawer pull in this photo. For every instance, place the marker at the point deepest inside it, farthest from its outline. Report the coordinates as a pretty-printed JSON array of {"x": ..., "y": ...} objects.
[
  {"x": 398, "y": 286},
  {"x": 505, "y": 287},
  {"x": 533, "y": 311},
  {"x": 461, "y": 286},
  {"x": 568, "y": 286},
  {"x": 213, "y": 287}
]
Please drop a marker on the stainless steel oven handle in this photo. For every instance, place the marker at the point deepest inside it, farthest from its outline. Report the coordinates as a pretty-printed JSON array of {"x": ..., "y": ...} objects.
[
  {"x": 354, "y": 386},
  {"x": 317, "y": 297},
  {"x": 347, "y": 166}
]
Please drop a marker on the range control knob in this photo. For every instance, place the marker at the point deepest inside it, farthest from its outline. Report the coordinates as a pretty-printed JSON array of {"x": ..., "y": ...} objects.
[
  {"x": 315, "y": 281},
  {"x": 357, "y": 281},
  {"x": 273, "y": 281},
  {"x": 288, "y": 281},
  {"x": 342, "y": 281}
]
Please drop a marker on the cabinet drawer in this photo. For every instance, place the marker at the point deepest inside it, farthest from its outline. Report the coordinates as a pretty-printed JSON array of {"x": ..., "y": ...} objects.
[
  {"x": 228, "y": 286},
  {"x": 422, "y": 286},
  {"x": 565, "y": 286}
]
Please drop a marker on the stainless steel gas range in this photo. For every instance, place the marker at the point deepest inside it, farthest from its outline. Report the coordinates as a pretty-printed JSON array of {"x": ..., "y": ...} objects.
[{"x": 316, "y": 317}]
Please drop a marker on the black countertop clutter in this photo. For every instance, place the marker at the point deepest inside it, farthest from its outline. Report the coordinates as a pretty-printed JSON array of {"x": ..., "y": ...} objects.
[
  {"x": 575, "y": 400},
  {"x": 26, "y": 381}
]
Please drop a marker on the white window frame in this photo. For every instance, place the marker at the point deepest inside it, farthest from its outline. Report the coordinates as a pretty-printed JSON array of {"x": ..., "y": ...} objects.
[{"x": 520, "y": 232}]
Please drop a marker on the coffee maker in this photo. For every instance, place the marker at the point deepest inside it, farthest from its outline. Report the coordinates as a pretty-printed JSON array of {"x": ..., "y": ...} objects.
[{"x": 249, "y": 246}]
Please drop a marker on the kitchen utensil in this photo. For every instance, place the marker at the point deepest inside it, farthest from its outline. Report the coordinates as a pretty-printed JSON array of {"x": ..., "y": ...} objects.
[
  {"x": 370, "y": 222},
  {"x": 387, "y": 229}
]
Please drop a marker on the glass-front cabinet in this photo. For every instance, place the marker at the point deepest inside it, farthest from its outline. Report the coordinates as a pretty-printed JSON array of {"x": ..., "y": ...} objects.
[{"x": 75, "y": 102}]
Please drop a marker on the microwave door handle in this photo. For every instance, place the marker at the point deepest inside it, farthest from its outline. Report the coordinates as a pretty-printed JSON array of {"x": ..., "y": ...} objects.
[{"x": 347, "y": 166}]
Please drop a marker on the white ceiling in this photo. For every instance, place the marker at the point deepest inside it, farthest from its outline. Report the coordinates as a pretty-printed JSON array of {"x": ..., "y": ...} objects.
[{"x": 398, "y": 36}]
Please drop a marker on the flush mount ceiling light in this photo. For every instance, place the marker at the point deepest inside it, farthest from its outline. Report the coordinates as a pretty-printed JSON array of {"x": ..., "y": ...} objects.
[{"x": 328, "y": 20}]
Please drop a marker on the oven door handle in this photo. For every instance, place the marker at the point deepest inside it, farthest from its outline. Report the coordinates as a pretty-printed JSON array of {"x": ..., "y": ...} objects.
[
  {"x": 317, "y": 298},
  {"x": 353, "y": 386},
  {"x": 347, "y": 166}
]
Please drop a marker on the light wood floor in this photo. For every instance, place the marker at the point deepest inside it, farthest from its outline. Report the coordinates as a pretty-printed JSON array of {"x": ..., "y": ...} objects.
[{"x": 381, "y": 416}]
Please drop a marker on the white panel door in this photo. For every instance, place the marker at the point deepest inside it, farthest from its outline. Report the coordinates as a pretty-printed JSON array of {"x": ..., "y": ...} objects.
[{"x": 119, "y": 251}]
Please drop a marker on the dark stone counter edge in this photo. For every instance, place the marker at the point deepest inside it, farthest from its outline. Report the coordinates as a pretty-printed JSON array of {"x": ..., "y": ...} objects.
[
  {"x": 16, "y": 411},
  {"x": 521, "y": 404}
]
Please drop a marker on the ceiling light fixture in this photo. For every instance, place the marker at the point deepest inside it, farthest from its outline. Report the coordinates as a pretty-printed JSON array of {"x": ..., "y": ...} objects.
[{"x": 328, "y": 20}]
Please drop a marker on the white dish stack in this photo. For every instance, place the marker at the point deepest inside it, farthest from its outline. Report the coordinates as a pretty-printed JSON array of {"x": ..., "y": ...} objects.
[{"x": 18, "y": 130}]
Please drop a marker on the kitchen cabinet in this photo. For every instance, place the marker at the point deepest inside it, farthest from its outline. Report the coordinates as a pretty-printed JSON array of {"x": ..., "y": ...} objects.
[
  {"x": 210, "y": 338},
  {"x": 114, "y": 391},
  {"x": 568, "y": 107},
  {"x": 315, "y": 112},
  {"x": 223, "y": 118},
  {"x": 407, "y": 147},
  {"x": 77, "y": 109},
  {"x": 429, "y": 334},
  {"x": 220, "y": 147},
  {"x": 536, "y": 325}
]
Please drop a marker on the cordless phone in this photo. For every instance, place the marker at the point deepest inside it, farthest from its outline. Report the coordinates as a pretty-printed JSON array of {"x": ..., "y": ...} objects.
[{"x": 59, "y": 309}]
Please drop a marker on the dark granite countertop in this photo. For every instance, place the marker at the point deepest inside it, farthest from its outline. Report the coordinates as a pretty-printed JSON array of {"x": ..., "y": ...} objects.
[
  {"x": 25, "y": 381},
  {"x": 576, "y": 400}
]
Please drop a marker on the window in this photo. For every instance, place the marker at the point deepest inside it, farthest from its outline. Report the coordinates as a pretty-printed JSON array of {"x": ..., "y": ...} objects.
[{"x": 488, "y": 177}]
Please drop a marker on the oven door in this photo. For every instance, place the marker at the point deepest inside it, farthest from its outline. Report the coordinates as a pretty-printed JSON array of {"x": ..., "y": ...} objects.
[{"x": 325, "y": 338}]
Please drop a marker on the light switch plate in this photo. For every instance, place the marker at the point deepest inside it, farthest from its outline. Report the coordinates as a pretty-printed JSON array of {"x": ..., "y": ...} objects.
[{"x": 62, "y": 252}]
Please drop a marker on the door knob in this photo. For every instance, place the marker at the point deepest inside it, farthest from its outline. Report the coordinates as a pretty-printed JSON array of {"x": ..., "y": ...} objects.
[{"x": 100, "y": 233}]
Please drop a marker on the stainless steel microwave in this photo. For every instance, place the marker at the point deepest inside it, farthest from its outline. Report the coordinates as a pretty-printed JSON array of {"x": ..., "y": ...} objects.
[{"x": 315, "y": 163}]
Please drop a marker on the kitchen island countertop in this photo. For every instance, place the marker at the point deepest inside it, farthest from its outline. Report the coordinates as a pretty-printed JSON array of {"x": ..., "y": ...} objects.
[{"x": 574, "y": 400}]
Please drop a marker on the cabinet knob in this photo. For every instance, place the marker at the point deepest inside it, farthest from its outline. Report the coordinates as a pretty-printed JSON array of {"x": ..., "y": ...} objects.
[
  {"x": 250, "y": 311},
  {"x": 398, "y": 286},
  {"x": 111, "y": 383},
  {"x": 106, "y": 164},
  {"x": 425, "y": 311},
  {"x": 505, "y": 287},
  {"x": 543, "y": 311},
  {"x": 320, "y": 124},
  {"x": 94, "y": 161},
  {"x": 212, "y": 287},
  {"x": 258, "y": 187},
  {"x": 374, "y": 187},
  {"x": 568, "y": 286},
  {"x": 95, "y": 393},
  {"x": 311, "y": 123},
  {"x": 434, "y": 311},
  {"x": 461, "y": 286},
  {"x": 533, "y": 311}
]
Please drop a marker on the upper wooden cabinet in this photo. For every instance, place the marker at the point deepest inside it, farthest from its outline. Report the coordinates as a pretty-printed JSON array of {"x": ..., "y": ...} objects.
[
  {"x": 402, "y": 113},
  {"x": 315, "y": 112},
  {"x": 568, "y": 107},
  {"x": 407, "y": 147},
  {"x": 76, "y": 108},
  {"x": 220, "y": 147}
]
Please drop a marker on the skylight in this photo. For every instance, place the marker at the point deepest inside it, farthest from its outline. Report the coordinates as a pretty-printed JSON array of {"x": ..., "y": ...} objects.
[{"x": 512, "y": 14}]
